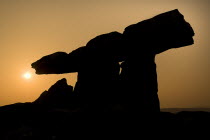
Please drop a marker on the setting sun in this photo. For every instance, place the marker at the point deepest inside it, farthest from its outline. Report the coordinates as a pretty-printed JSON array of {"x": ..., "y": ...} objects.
[{"x": 27, "y": 75}]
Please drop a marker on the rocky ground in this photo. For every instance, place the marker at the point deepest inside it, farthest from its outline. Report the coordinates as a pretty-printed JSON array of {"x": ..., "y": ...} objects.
[{"x": 28, "y": 122}]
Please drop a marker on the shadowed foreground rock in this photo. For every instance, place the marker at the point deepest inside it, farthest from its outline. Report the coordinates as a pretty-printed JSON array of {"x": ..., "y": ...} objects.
[
  {"x": 66, "y": 125},
  {"x": 59, "y": 95}
]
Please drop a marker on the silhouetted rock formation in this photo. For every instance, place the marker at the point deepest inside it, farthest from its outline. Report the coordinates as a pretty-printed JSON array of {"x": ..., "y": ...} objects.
[
  {"x": 58, "y": 95},
  {"x": 98, "y": 69},
  {"x": 100, "y": 83},
  {"x": 102, "y": 48},
  {"x": 146, "y": 39},
  {"x": 101, "y": 87},
  {"x": 158, "y": 34},
  {"x": 52, "y": 64}
]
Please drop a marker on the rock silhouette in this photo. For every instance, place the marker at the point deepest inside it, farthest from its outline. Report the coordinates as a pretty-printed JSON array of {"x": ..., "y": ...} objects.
[
  {"x": 100, "y": 84},
  {"x": 160, "y": 33},
  {"x": 146, "y": 39},
  {"x": 101, "y": 48},
  {"x": 59, "y": 95}
]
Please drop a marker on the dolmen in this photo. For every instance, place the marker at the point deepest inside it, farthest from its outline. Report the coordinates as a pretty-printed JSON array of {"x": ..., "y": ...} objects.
[{"x": 118, "y": 70}]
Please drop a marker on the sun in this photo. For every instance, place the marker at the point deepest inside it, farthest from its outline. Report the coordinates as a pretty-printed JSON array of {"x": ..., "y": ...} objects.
[{"x": 27, "y": 75}]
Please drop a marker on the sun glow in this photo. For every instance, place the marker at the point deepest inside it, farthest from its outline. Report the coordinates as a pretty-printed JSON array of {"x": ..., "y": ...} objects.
[{"x": 27, "y": 75}]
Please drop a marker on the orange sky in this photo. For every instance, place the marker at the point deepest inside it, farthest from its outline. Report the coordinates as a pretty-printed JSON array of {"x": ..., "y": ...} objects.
[{"x": 30, "y": 29}]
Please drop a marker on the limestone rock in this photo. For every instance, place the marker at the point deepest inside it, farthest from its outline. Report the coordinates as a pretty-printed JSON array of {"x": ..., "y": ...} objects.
[
  {"x": 162, "y": 32},
  {"x": 60, "y": 94}
]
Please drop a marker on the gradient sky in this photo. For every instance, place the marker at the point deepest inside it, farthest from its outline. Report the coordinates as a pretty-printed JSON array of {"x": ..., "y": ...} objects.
[{"x": 30, "y": 29}]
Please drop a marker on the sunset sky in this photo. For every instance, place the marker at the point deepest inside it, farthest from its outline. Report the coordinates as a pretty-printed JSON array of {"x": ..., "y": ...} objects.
[{"x": 30, "y": 29}]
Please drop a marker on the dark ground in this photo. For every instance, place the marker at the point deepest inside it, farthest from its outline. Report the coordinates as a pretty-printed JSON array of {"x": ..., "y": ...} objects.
[{"x": 25, "y": 122}]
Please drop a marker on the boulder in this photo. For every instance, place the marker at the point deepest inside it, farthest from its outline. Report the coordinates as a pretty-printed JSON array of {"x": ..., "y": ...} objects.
[
  {"x": 52, "y": 64},
  {"x": 100, "y": 49},
  {"x": 59, "y": 95},
  {"x": 162, "y": 32}
]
